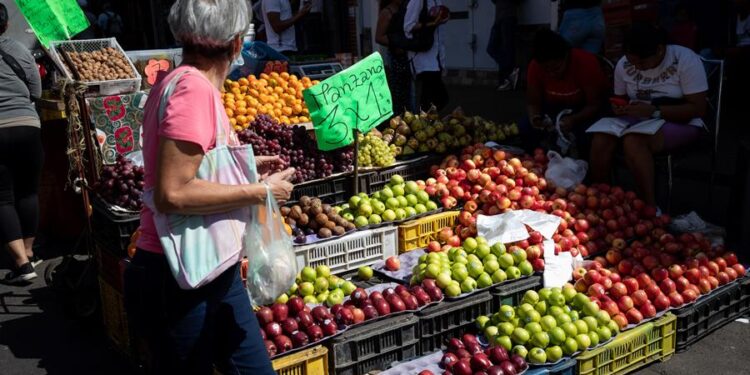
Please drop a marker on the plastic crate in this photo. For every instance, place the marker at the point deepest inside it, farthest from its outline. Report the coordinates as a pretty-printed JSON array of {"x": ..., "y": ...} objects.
[
  {"x": 630, "y": 350},
  {"x": 311, "y": 361},
  {"x": 95, "y": 88},
  {"x": 112, "y": 230},
  {"x": 375, "y": 346},
  {"x": 335, "y": 191},
  {"x": 708, "y": 314},
  {"x": 567, "y": 367},
  {"x": 745, "y": 299},
  {"x": 418, "y": 233},
  {"x": 511, "y": 293},
  {"x": 114, "y": 318},
  {"x": 450, "y": 319},
  {"x": 351, "y": 251},
  {"x": 411, "y": 170}
]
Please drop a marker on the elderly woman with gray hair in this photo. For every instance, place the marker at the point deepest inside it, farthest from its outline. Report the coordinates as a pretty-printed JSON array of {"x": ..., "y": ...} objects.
[{"x": 212, "y": 327}]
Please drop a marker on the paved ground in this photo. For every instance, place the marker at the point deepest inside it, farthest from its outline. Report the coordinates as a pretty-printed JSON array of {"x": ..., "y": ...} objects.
[{"x": 37, "y": 337}]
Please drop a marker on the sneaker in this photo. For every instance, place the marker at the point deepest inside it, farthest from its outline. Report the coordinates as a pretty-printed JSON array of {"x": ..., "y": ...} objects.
[
  {"x": 35, "y": 260},
  {"x": 21, "y": 275}
]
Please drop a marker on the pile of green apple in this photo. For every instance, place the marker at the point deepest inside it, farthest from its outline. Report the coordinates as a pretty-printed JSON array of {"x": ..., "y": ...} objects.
[
  {"x": 548, "y": 325},
  {"x": 398, "y": 200},
  {"x": 318, "y": 285},
  {"x": 474, "y": 265}
]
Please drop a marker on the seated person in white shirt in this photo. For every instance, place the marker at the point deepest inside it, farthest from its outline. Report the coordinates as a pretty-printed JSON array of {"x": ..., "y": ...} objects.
[
  {"x": 653, "y": 80},
  {"x": 279, "y": 23}
]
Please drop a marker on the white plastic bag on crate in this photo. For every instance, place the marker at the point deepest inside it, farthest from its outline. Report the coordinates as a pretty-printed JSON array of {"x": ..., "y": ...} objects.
[
  {"x": 565, "y": 172},
  {"x": 693, "y": 223},
  {"x": 272, "y": 267}
]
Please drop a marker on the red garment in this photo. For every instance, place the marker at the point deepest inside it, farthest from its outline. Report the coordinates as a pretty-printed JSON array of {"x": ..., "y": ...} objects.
[{"x": 583, "y": 71}]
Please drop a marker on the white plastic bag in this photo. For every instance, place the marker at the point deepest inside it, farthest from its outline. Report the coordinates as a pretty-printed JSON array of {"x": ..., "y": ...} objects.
[
  {"x": 272, "y": 267},
  {"x": 565, "y": 172},
  {"x": 564, "y": 141}
]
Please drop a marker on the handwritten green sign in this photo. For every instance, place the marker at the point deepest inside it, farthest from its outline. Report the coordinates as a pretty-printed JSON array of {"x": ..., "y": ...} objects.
[
  {"x": 53, "y": 19},
  {"x": 356, "y": 98}
]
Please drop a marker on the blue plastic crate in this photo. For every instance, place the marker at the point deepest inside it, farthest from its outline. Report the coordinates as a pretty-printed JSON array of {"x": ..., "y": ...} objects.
[{"x": 563, "y": 368}]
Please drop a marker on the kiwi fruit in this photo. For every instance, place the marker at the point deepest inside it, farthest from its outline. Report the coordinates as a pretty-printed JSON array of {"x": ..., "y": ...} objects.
[
  {"x": 321, "y": 218},
  {"x": 285, "y": 211},
  {"x": 330, "y": 225},
  {"x": 349, "y": 226},
  {"x": 338, "y": 231},
  {"x": 295, "y": 212},
  {"x": 291, "y": 222},
  {"x": 324, "y": 233},
  {"x": 312, "y": 224},
  {"x": 315, "y": 210},
  {"x": 305, "y": 200},
  {"x": 303, "y": 219},
  {"x": 326, "y": 208}
]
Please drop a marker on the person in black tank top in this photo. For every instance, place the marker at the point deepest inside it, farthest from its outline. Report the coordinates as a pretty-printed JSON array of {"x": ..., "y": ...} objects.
[{"x": 399, "y": 71}]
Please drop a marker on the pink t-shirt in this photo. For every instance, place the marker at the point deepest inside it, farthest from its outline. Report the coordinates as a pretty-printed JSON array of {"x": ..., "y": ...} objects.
[{"x": 190, "y": 116}]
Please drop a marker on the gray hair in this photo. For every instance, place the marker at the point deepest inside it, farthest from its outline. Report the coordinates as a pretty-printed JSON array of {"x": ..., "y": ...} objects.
[{"x": 208, "y": 23}]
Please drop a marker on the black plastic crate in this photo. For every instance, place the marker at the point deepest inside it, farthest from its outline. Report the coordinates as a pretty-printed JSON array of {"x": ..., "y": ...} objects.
[
  {"x": 512, "y": 292},
  {"x": 745, "y": 299},
  {"x": 374, "y": 346},
  {"x": 709, "y": 314},
  {"x": 112, "y": 230},
  {"x": 451, "y": 319},
  {"x": 333, "y": 191}
]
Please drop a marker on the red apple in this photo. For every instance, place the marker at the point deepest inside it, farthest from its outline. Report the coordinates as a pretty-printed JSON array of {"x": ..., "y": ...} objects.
[
  {"x": 675, "y": 299},
  {"x": 675, "y": 271},
  {"x": 621, "y": 320},
  {"x": 393, "y": 263},
  {"x": 681, "y": 284},
  {"x": 631, "y": 284},
  {"x": 618, "y": 290},
  {"x": 634, "y": 316},
  {"x": 639, "y": 298},
  {"x": 625, "y": 303},
  {"x": 661, "y": 302},
  {"x": 648, "y": 310}
]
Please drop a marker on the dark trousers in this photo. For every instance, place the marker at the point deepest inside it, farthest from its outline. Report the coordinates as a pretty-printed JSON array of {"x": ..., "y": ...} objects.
[
  {"x": 191, "y": 331},
  {"x": 433, "y": 91},
  {"x": 502, "y": 46},
  {"x": 21, "y": 158}
]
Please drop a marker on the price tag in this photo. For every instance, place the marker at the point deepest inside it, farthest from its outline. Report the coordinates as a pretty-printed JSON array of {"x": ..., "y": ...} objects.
[
  {"x": 357, "y": 98},
  {"x": 53, "y": 20}
]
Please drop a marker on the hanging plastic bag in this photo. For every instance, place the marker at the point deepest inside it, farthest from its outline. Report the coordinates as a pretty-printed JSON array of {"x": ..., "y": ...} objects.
[
  {"x": 565, "y": 172},
  {"x": 564, "y": 141},
  {"x": 272, "y": 267}
]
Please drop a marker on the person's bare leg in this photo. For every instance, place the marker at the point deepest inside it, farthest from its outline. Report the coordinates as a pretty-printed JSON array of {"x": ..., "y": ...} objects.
[
  {"x": 639, "y": 154},
  {"x": 18, "y": 252},
  {"x": 28, "y": 244},
  {"x": 603, "y": 148}
]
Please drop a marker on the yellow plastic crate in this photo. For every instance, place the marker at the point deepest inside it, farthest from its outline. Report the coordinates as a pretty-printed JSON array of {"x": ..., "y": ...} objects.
[
  {"x": 416, "y": 234},
  {"x": 633, "y": 349},
  {"x": 313, "y": 361}
]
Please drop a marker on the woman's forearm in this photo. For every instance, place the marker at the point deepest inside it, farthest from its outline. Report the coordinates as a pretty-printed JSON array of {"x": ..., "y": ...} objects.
[{"x": 200, "y": 197}]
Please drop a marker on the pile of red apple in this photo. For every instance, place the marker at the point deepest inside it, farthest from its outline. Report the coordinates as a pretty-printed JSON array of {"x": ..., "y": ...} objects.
[
  {"x": 466, "y": 356},
  {"x": 652, "y": 279},
  {"x": 366, "y": 306},
  {"x": 293, "y": 325}
]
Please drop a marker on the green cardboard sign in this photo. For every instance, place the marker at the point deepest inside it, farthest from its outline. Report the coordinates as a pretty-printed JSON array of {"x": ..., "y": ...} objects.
[
  {"x": 356, "y": 98},
  {"x": 53, "y": 20}
]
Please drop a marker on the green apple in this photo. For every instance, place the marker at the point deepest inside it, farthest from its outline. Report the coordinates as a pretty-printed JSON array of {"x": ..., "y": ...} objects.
[
  {"x": 392, "y": 203},
  {"x": 475, "y": 268},
  {"x": 524, "y": 309},
  {"x": 513, "y": 272},
  {"x": 591, "y": 322},
  {"x": 282, "y": 298},
  {"x": 334, "y": 298},
  {"x": 423, "y": 197},
  {"x": 583, "y": 340},
  {"x": 293, "y": 289},
  {"x": 411, "y": 187},
  {"x": 470, "y": 245},
  {"x": 544, "y": 293},
  {"x": 402, "y": 202},
  {"x": 482, "y": 251},
  {"x": 533, "y": 316},
  {"x": 484, "y": 280},
  {"x": 507, "y": 313},
  {"x": 594, "y": 337},
  {"x": 306, "y": 289},
  {"x": 490, "y": 266},
  {"x": 308, "y": 274},
  {"x": 375, "y": 219},
  {"x": 520, "y": 350},
  {"x": 396, "y": 180},
  {"x": 520, "y": 336},
  {"x": 378, "y": 207},
  {"x": 420, "y": 208},
  {"x": 386, "y": 193},
  {"x": 459, "y": 272},
  {"x": 533, "y": 327},
  {"x": 482, "y": 321},
  {"x": 590, "y": 308},
  {"x": 604, "y": 333},
  {"x": 490, "y": 332},
  {"x": 505, "y": 328},
  {"x": 556, "y": 299},
  {"x": 613, "y": 327},
  {"x": 468, "y": 285},
  {"x": 376, "y": 196},
  {"x": 554, "y": 353},
  {"x": 354, "y": 201},
  {"x": 562, "y": 319},
  {"x": 581, "y": 326},
  {"x": 432, "y": 271},
  {"x": 555, "y": 311},
  {"x": 348, "y": 216},
  {"x": 348, "y": 287},
  {"x": 310, "y": 300},
  {"x": 526, "y": 268},
  {"x": 540, "y": 339},
  {"x": 389, "y": 215},
  {"x": 321, "y": 284},
  {"x": 537, "y": 356},
  {"x": 364, "y": 273},
  {"x": 541, "y": 306},
  {"x": 569, "y": 293},
  {"x": 571, "y": 330},
  {"x": 335, "y": 282},
  {"x": 503, "y": 341},
  {"x": 361, "y": 221},
  {"x": 411, "y": 200},
  {"x": 579, "y": 300},
  {"x": 473, "y": 258},
  {"x": 499, "y": 276},
  {"x": 602, "y": 317},
  {"x": 573, "y": 315},
  {"x": 570, "y": 346},
  {"x": 530, "y": 297},
  {"x": 498, "y": 249},
  {"x": 519, "y": 256},
  {"x": 453, "y": 289},
  {"x": 505, "y": 260},
  {"x": 410, "y": 211},
  {"x": 398, "y": 190},
  {"x": 365, "y": 209},
  {"x": 556, "y": 336},
  {"x": 431, "y": 206},
  {"x": 548, "y": 322},
  {"x": 323, "y": 298},
  {"x": 443, "y": 280}
]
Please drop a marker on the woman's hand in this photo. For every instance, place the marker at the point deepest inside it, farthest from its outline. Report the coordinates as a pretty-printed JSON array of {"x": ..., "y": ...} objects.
[
  {"x": 639, "y": 110},
  {"x": 280, "y": 185},
  {"x": 265, "y": 164}
]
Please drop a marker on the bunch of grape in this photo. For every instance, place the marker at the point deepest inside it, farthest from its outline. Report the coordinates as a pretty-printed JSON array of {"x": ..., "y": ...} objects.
[
  {"x": 373, "y": 151},
  {"x": 121, "y": 184}
]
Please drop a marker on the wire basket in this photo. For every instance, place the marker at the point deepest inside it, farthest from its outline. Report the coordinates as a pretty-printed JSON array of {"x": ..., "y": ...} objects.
[{"x": 59, "y": 51}]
